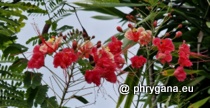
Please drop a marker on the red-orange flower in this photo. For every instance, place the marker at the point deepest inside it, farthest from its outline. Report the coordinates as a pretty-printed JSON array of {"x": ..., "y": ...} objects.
[
  {"x": 180, "y": 74},
  {"x": 134, "y": 34},
  {"x": 85, "y": 48},
  {"x": 164, "y": 45},
  {"x": 145, "y": 37},
  {"x": 115, "y": 46},
  {"x": 184, "y": 53},
  {"x": 37, "y": 59},
  {"x": 164, "y": 57},
  {"x": 93, "y": 76},
  {"x": 119, "y": 60},
  {"x": 65, "y": 58},
  {"x": 138, "y": 61},
  {"x": 51, "y": 45}
]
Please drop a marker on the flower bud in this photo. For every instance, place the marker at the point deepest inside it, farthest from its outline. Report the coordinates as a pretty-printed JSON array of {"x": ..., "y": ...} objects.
[
  {"x": 178, "y": 34},
  {"x": 119, "y": 29},
  {"x": 74, "y": 44},
  {"x": 130, "y": 26},
  {"x": 98, "y": 45},
  {"x": 93, "y": 37},
  {"x": 167, "y": 34},
  {"x": 180, "y": 26},
  {"x": 155, "y": 23},
  {"x": 64, "y": 37}
]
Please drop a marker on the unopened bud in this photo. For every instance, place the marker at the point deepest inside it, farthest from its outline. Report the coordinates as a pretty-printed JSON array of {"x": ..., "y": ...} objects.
[
  {"x": 64, "y": 37},
  {"x": 98, "y": 45},
  {"x": 119, "y": 29},
  {"x": 155, "y": 23},
  {"x": 74, "y": 44},
  {"x": 167, "y": 34},
  {"x": 178, "y": 34},
  {"x": 130, "y": 26},
  {"x": 180, "y": 26}
]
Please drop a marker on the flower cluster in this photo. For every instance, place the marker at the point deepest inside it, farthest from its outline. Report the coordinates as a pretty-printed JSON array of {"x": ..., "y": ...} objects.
[
  {"x": 183, "y": 61},
  {"x": 139, "y": 35},
  {"x": 107, "y": 60},
  {"x": 39, "y": 52},
  {"x": 165, "y": 47}
]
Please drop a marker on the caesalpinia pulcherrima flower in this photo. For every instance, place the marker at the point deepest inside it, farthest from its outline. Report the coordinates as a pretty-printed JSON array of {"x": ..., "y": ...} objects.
[
  {"x": 183, "y": 61},
  {"x": 37, "y": 59},
  {"x": 165, "y": 47},
  {"x": 51, "y": 45},
  {"x": 180, "y": 74},
  {"x": 138, "y": 61},
  {"x": 184, "y": 53},
  {"x": 115, "y": 46},
  {"x": 85, "y": 48},
  {"x": 65, "y": 58},
  {"x": 139, "y": 35},
  {"x": 107, "y": 60}
]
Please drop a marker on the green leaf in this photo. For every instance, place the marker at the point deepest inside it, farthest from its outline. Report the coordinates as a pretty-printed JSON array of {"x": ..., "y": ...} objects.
[
  {"x": 81, "y": 99},
  {"x": 208, "y": 24},
  {"x": 36, "y": 80},
  {"x": 199, "y": 103},
  {"x": 50, "y": 103},
  {"x": 196, "y": 81},
  {"x": 105, "y": 10},
  {"x": 64, "y": 28},
  {"x": 169, "y": 72},
  {"x": 15, "y": 49},
  {"x": 27, "y": 79},
  {"x": 32, "y": 39},
  {"x": 30, "y": 95},
  {"x": 104, "y": 17},
  {"x": 19, "y": 65},
  {"x": 150, "y": 17},
  {"x": 41, "y": 94},
  {"x": 54, "y": 25}
]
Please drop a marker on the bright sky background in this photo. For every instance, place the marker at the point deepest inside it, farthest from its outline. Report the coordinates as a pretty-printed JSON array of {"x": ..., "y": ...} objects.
[{"x": 105, "y": 96}]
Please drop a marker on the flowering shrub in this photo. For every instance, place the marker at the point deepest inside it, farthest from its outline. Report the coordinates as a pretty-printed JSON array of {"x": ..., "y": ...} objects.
[{"x": 169, "y": 39}]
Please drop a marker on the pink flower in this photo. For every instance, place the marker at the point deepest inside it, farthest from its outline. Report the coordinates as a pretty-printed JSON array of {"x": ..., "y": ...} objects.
[
  {"x": 110, "y": 76},
  {"x": 65, "y": 58},
  {"x": 134, "y": 34},
  {"x": 145, "y": 37},
  {"x": 164, "y": 57},
  {"x": 115, "y": 46},
  {"x": 119, "y": 60},
  {"x": 37, "y": 59},
  {"x": 93, "y": 76},
  {"x": 139, "y": 35},
  {"x": 180, "y": 74},
  {"x": 184, "y": 53},
  {"x": 51, "y": 45},
  {"x": 85, "y": 48},
  {"x": 138, "y": 61},
  {"x": 164, "y": 45}
]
